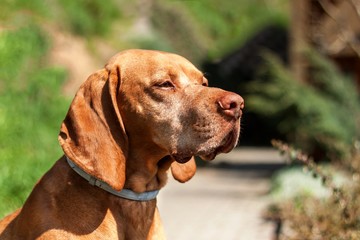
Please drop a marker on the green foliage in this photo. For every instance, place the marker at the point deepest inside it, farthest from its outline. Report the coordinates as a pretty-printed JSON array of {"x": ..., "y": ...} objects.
[
  {"x": 20, "y": 50},
  {"x": 153, "y": 43},
  {"x": 88, "y": 18},
  {"x": 31, "y": 110},
  {"x": 82, "y": 17},
  {"x": 177, "y": 30},
  {"x": 322, "y": 115},
  {"x": 196, "y": 29},
  {"x": 34, "y": 7},
  {"x": 206, "y": 29},
  {"x": 229, "y": 23}
]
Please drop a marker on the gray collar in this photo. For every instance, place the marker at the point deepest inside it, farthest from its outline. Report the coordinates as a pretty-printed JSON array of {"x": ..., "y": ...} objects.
[{"x": 124, "y": 193}]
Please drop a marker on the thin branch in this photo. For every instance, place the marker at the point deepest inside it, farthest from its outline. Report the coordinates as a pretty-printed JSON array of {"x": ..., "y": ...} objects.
[{"x": 296, "y": 155}]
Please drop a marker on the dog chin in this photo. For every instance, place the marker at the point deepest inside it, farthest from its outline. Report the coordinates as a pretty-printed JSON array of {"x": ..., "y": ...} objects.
[{"x": 225, "y": 146}]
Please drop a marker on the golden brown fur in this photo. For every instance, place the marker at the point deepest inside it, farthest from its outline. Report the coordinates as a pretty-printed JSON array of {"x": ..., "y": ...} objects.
[{"x": 144, "y": 113}]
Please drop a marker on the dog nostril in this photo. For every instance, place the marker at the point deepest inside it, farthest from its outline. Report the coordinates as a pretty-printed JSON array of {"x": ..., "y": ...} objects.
[{"x": 231, "y": 104}]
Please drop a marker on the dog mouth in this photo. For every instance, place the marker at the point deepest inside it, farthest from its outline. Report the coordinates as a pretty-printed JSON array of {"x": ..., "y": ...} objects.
[
  {"x": 181, "y": 158},
  {"x": 227, "y": 143},
  {"x": 225, "y": 146}
]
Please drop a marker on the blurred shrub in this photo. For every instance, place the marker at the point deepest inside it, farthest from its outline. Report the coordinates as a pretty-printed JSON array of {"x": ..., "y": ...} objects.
[
  {"x": 320, "y": 117},
  {"x": 227, "y": 25},
  {"x": 31, "y": 110},
  {"x": 153, "y": 43},
  {"x": 34, "y": 7},
  {"x": 88, "y": 18},
  {"x": 82, "y": 17},
  {"x": 20, "y": 52},
  {"x": 178, "y": 29},
  {"x": 292, "y": 182},
  {"x": 310, "y": 217}
]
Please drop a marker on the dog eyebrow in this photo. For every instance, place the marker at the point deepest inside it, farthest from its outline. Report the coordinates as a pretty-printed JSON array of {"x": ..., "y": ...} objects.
[
  {"x": 182, "y": 79},
  {"x": 160, "y": 74}
]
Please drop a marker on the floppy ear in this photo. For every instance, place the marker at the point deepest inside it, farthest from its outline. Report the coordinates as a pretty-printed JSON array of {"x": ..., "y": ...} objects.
[
  {"x": 92, "y": 134},
  {"x": 183, "y": 172}
]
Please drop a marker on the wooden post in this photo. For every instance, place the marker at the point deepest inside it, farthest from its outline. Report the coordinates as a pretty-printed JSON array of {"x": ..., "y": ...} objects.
[{"x": 299, "y": 39}]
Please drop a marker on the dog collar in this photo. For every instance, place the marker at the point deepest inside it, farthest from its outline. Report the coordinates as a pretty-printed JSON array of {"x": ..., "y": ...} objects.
[{"x": 124, "y": 193}]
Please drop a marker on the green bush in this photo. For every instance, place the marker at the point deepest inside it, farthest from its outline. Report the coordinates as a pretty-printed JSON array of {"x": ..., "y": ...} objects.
[
  {"x": 31, "y": 111},
  {"x": 89, "y": 18},
  {"x": 320, "y": 116},
  {"x": 9, "y": 8},
  {"x": 20, "y": 51},
  {"x": 177, "y": 31},
  {"x": 227, "y": 25}
]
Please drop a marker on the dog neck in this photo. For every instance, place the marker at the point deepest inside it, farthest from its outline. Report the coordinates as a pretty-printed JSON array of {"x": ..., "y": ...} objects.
[
  {"x": 124, "y": 193},
  {"x": 146, "y": 166}
]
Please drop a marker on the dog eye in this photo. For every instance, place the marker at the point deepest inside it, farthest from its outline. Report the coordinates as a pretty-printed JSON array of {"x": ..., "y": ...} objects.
[{"x": 166, "y": 84}]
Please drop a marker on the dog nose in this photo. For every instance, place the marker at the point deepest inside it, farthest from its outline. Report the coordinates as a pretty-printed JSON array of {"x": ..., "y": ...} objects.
[{"x": 231, "y": 105}]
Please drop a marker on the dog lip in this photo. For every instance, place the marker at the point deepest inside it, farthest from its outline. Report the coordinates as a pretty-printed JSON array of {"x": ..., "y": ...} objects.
[
  {"x": 226, "y": 145},
  {"x": 209, "y": 156},
  {"x": 181, "y": 158}
]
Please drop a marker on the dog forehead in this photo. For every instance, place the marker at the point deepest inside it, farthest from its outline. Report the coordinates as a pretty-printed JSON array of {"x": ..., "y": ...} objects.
[
  {"x": 153, "y": 64},
  {"x": 149, "y": 59}
]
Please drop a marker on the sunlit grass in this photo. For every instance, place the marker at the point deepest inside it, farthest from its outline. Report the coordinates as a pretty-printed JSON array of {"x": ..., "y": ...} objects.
[{"x": 31, "y": 110}]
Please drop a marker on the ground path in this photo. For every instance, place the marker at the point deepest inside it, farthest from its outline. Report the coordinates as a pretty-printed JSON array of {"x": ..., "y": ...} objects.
[{"x": 224, "y": 200}]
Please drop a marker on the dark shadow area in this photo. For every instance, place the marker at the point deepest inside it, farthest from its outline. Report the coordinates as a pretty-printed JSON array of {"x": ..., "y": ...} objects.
[{"x": 234, "y": 71}]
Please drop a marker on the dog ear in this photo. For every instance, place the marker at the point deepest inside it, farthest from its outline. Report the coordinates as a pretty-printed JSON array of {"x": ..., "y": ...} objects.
[
  {"x": 92, "y": 134},
  {"x": 183, "y": 172}
]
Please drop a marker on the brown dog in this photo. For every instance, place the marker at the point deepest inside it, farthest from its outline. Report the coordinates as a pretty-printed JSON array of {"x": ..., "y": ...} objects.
[{"x": 145, "y": 112}]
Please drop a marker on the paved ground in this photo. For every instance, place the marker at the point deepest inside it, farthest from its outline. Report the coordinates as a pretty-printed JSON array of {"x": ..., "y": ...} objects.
[{"x": 224, "y": 200}]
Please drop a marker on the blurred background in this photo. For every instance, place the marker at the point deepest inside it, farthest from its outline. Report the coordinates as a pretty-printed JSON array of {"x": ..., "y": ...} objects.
[{"x": 296, "y": 63}]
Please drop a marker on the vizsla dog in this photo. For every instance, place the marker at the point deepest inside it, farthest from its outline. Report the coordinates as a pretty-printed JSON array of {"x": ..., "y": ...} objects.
[{"x": 129, "y": 123}]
